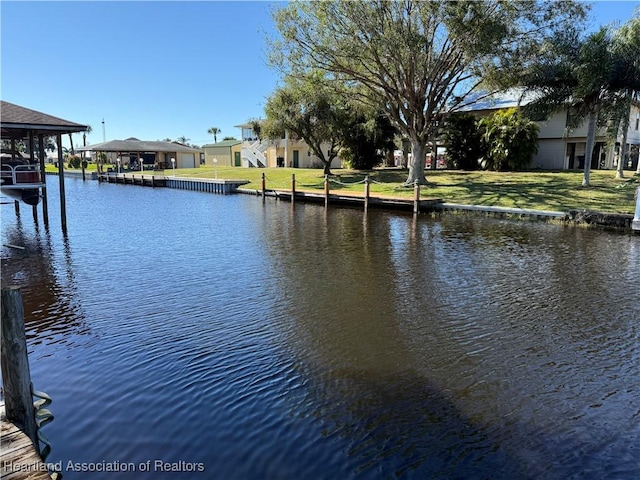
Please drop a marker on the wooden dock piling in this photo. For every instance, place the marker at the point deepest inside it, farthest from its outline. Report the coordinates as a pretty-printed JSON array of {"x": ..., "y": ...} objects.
[
  {"x": 326, "y": 191},
  {"x": 367, "y": 189},
  {"x": 16, "y": 376}
]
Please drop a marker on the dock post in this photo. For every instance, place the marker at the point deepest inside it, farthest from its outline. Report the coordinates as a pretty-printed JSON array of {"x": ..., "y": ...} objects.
[
  {"x": 63, "y": 201},
  {"x": 16, "y": 204},
  {"x": 264, "y": 187},
  {"x": 16, "y": 376},
  {"x": 43, "y": 180},
  {"x": 366, "y": 193},
  {"x": 293, "y": 188},
  {"x": 326, "y": 191},
  {"x": 416, "y": 197},
  {"x": 635, "y": 223}
]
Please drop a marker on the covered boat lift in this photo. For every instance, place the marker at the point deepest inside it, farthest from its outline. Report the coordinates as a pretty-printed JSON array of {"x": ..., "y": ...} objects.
[{"x": 23, "y": 124}]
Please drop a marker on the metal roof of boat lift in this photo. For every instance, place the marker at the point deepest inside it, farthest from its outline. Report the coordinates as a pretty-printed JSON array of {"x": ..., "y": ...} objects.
[{"x": 16, "y": 122}]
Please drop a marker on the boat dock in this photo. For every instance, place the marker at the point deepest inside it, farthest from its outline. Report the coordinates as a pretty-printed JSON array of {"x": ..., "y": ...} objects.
[
  {"x": 211, "y": 185},
  {"x": 19, "y": 457}
]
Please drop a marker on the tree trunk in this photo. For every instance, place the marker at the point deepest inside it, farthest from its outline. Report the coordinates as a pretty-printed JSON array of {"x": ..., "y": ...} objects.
[
  {"x": 417, "y": 163},
  {"x": 623, "y": 144},
  {"x": 327, "y": 167},
  {"x": 623, "y": 150},
  {"x": 591, "y": 135}
]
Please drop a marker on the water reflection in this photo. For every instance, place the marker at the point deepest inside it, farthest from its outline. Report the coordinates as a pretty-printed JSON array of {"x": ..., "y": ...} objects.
[{"x": 52, "y": 312}]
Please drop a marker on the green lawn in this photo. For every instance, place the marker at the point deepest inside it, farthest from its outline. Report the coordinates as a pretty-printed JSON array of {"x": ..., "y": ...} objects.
[{"x": 559, "y": 191}]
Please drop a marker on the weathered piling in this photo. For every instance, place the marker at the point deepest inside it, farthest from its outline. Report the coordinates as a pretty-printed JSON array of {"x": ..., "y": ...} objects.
[
  {"x": 293, "y": 188},
  {"x": 264, "y": 187},
  {"x": 416, "y": 197},
  {"x": 326, "y": 191},
  {"x": 16, "y": 376},
  {"x": 366, "y": 193}
]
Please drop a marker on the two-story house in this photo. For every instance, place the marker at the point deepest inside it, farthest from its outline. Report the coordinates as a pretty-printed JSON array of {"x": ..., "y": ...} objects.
[{"x": 561, "y": 148}]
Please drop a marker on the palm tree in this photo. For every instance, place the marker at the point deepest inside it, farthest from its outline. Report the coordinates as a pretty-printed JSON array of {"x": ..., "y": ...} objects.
[
  {"x": 214, "y": 131},
  {"x": 588, "y": 76},
  {"x": 84, "y": 135},
  {"x": 626, "y": 45},
  {"x": 84, "y": 144},
  {"x": 183, "y": 140}
]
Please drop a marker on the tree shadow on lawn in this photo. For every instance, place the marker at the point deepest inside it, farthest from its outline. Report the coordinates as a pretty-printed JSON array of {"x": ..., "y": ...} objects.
[{"x": 558, "y": 194}]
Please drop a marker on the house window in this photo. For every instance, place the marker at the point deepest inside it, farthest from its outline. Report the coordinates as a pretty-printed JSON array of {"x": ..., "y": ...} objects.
[{"x": 637, "y": 123}]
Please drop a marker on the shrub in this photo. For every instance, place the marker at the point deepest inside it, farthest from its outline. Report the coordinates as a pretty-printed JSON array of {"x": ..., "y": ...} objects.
[
  {"x": 463, "y": 141},
  {"x": 510, "y": 140}
]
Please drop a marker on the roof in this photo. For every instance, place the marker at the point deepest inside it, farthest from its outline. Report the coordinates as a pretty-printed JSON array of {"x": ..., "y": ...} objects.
[
  {"x": 134, "y": 145},
  {"x": 16, "y": 122},
  {"x": 224, "y": 143},
  {"x": 495, "y": 101},
  {"x": 248, "y": 125}
]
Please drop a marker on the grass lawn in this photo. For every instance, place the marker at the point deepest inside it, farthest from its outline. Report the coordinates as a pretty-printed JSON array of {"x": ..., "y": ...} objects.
[
  {"x": 559, "y": 191},
  {"x": 542, "y": 190}
]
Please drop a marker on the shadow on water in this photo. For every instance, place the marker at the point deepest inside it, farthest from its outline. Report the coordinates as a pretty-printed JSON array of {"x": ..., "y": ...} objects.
[
  {"x": 367, "y": 383},
  {"x": 433, "y": 371}
]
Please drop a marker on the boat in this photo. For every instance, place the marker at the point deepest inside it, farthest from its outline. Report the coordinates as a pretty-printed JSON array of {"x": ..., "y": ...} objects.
[{"x": 19, "y": 178}]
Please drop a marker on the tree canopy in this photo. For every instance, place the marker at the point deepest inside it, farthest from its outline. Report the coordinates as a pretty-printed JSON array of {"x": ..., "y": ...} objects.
[
  {"x": 593, "y": 77},
  {"x": 418, "y": 59},
  {"x": 308, "y": 108}
]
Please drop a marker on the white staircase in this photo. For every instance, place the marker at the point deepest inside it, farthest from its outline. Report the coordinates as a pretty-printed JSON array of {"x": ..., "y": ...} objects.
[{"x": 253, "y": 155}]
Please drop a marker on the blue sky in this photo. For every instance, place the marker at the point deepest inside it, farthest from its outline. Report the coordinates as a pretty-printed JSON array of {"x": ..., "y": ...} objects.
[{"x": 152, "y": 69}]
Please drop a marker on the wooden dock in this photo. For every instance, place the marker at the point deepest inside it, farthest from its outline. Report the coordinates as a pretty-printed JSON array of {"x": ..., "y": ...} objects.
[{"x": 18, "y": 456}]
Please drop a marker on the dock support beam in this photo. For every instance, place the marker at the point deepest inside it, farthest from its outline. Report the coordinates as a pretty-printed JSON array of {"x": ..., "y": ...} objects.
[
  {"x": 416, "y": 197},
  {"x": 16, "y": 376},
  {"x": 63, "y": 202},
  {"x": 43, "y": 180}
]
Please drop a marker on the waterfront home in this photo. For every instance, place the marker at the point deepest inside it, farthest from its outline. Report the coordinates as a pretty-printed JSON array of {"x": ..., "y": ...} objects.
[
  {"x": 561, "y": 148},
  {"x": 131, "y": 152},
  {"x": 288, "y": 151}
]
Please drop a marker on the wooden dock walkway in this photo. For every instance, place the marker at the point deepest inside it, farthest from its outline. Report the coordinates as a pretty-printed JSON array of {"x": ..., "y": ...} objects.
[{"x": 18, "y": 457}]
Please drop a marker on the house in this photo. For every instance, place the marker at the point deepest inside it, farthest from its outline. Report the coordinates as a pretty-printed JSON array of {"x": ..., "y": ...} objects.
[
  {"x": 153, "y": 154},
  {"x": 226, "y": 153},
  {"x": 561, "y": 148},
  {"x": 288, "y": 151}
]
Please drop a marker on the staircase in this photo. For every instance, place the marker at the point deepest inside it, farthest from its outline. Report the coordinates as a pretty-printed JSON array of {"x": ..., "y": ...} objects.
[{"x": 253, "y": 154}]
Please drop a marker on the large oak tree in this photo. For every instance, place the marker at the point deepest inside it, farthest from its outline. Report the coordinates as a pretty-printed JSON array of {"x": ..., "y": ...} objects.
[{"x": 420, "y": 59}]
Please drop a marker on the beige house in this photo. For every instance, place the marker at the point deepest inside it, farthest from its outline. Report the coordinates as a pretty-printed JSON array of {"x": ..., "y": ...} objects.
[
  {"x": 561, "y": 148},
  {"x": 226, "y": 153},
  {"x": 286, "y": 152}
]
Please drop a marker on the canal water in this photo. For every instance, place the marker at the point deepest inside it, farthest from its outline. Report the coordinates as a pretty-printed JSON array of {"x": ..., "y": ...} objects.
[{"x": 182, "y": 331}]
